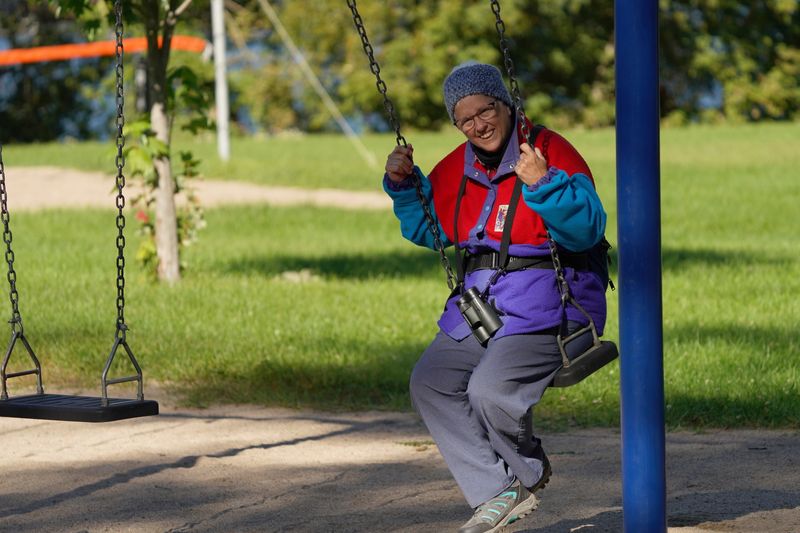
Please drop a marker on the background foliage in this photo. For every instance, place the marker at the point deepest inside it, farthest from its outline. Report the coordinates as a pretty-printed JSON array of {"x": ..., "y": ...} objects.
[
  {"x": 47, "y": 101},
  {"x": 720, "y": 60}
]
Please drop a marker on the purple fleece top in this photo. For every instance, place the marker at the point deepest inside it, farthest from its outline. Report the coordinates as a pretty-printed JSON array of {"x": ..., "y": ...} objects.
[{"x": 527, "y": 300}]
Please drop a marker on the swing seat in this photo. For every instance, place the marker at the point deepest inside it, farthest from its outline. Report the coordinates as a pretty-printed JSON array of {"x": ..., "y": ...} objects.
[
  {"x": 588, "y": 362},
  {"x": 76, "y": 408}
]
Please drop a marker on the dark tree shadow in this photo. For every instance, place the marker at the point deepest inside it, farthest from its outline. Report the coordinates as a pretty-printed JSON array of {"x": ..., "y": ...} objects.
[
  {"x": 415, "y": 495},
  {"x": 330, "y": 385},
  {"x": 418, "y": 263},
  {"x": 767, "y": 405},
  {"x": 673, "y": 259},
  {"x": 343, "y": 265}
]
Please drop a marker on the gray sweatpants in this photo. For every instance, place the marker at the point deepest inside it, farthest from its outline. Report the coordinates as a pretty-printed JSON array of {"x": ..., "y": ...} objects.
[{"x": 476, "y": 403}]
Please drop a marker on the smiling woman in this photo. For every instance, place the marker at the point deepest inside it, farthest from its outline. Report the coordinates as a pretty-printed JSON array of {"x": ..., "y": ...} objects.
[
  {"x": 506, "y": 326},
  {"x": 508, "y": 330}
]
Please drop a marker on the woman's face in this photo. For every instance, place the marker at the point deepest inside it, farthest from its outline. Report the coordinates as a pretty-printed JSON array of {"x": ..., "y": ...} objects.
[{"x": 486, "y": 121}]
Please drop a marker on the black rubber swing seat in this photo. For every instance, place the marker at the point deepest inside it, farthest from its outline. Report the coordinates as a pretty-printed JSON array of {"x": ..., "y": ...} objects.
[
  {"x": 75, "y": 408},
  {"x": 588, "y": 362}
]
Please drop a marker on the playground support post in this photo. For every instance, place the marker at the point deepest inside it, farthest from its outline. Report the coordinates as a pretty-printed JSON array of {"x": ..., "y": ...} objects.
[
  {"x": 221, "y": 80},
  {"x": 639, "y": 239}
]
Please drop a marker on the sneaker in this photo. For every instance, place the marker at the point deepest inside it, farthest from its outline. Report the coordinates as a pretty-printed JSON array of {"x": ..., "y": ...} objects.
[
  {"x": 509, "y": 506},
  {"x": 547, "y": 471}
]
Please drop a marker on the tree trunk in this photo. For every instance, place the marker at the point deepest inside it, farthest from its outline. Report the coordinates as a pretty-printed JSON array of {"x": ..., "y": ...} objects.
[
  {"x": 166, "y": 223},
  {"x": 166, "y": 226}
]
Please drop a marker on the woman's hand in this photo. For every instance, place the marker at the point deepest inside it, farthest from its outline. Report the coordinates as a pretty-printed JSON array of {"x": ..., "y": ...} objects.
[
  {"x": 400, "y": 163},
  {"x": 531, "y": 165}
]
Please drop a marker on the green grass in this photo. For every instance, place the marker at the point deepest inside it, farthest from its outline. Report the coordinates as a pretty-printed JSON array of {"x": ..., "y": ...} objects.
[
  {"x": 310, "y": 161},
  {"x": 235, "y": 331}
]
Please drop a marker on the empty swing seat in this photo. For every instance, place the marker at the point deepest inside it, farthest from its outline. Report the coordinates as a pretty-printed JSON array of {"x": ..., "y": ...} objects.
[
  {"x": 75, "y": 408},
  {"x": 59, "y": 406},
  {"x": 588, "y": 362}
]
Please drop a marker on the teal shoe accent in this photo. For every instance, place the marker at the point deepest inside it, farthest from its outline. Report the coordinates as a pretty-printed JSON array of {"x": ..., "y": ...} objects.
[{"x": 507, "y": 507}]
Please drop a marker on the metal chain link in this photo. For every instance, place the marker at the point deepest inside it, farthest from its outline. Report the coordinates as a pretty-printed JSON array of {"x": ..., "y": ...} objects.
[
  {"x": 516, "y": 96},
  {"x": 16, "y": 318},
  {"x": 376, "y": 70},
  {"x": 390, "y": 112},
  {"x": 120, "y": 162},
  {"x": 509, "y": 64}
]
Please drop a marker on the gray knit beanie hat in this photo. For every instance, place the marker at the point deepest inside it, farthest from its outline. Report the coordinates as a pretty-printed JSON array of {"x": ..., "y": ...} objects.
[{"x": 474, "y": 78}]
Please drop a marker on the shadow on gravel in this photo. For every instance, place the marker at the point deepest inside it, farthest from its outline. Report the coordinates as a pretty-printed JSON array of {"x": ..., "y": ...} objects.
[
  {"x": 12, "y": 504},
  {"x": 684, "y": 511},
  {"x": 695, "y": 509},
  {"x": 711, "y": 478}
]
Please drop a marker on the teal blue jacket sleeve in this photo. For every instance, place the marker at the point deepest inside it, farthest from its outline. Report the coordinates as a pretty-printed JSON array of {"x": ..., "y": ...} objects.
[
  {"x": 408, "y": 210},
  {"x": 570, "y": 208}
]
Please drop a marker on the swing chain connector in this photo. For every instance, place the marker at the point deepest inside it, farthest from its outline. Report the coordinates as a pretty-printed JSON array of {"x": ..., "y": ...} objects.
[
  {"x": 105, "y": 381},
  {"x": 16, "y": 325},
  {"x": 121, "y": 331},
  {"x": 120, "y": 335},
  {"x": 568, "y": 299},
  {"x": 37, "y": 370}
]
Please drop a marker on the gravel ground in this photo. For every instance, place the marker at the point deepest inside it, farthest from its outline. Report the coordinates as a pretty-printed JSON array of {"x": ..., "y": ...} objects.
[
  {"x": 31, "y": 188},
  {"x": 246, "y": 468}
]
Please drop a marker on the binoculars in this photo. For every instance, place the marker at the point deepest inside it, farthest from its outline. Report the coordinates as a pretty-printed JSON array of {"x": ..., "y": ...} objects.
[{"x": 481, "y": 317}]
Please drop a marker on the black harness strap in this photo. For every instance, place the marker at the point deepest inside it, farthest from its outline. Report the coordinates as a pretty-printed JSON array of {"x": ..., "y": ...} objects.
[
  {"x": 505, "y": 241},
  {"x": 491, "y": 260},
  {"x": 459, "y": 259}
]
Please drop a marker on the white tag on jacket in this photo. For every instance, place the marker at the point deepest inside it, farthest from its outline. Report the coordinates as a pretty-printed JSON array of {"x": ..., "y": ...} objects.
[{"x": 500, "y": 221}]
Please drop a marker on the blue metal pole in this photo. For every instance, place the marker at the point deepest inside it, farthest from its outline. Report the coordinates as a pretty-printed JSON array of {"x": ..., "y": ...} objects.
[{"x": 639, "y": 238}]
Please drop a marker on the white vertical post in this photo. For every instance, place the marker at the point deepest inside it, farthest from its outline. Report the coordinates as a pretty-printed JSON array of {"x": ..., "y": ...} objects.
[{"x": 221, "y": 80}]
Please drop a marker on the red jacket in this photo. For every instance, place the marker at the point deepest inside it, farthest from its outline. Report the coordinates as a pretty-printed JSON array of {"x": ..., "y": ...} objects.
[{"x": 528, "y": 227}]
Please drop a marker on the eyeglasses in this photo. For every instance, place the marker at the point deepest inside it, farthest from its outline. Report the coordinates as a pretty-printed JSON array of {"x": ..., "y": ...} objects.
[{"x": 487, "y": 113}]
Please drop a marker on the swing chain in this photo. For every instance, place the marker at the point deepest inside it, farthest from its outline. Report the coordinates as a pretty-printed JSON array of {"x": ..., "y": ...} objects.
[
  {"x": 434, "y": 229},
  {"x": 509, "y": 64},
  {"x": 563, "y": 286},
  {"x": 16, "y": 318},
  {"x": 375, "y": 68},
  {"x": 120, "y": 163},
  {"x": 390, "y": 111}
]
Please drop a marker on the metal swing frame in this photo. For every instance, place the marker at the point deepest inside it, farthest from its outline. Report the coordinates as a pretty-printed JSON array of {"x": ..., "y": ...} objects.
[
  {"x": 600, "y": 353},
  {"x": 59, "y": 406}
]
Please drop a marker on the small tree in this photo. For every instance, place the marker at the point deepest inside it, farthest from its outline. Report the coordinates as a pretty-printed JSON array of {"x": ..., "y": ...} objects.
[{"x": 159, "y": 19}]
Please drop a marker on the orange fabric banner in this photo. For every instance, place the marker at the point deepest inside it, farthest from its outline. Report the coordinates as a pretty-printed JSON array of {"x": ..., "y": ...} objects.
[{"x": 63, "y": 52}]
